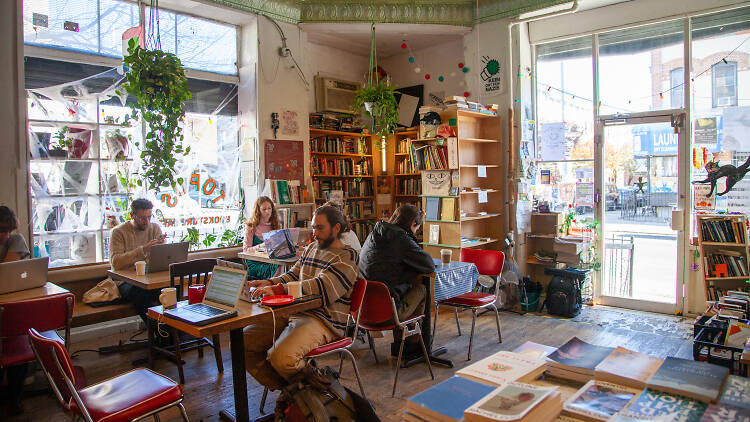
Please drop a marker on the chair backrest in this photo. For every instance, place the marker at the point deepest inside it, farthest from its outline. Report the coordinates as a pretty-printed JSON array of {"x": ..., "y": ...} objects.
[
  {"x": 56, "y": 364},
  {"x": 488, "y": 262},
  {"x": 377, "y": 305},
  {"x": 43, "y": 314},
  {"x": 196, "y": 272}
]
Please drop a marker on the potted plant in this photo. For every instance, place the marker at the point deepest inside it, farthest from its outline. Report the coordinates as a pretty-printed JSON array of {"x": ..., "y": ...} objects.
[
  {"x": 117, "y": 143},
  {"x": 74, "y": 141}
]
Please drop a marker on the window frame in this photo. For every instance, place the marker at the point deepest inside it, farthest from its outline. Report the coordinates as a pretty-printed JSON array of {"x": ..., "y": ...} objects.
[{"x": 733, "y": 98}]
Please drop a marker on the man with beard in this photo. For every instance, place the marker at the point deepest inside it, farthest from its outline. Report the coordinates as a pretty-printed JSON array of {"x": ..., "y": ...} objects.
[{"x": 274, "y": 353}]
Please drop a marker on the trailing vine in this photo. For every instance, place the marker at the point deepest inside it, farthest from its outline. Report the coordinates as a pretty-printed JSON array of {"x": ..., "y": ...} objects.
[{"x": 157, "y": 80}]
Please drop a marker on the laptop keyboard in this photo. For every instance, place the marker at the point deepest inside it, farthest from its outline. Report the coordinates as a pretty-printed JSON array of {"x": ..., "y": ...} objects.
[{"x": 205, "y": 310}]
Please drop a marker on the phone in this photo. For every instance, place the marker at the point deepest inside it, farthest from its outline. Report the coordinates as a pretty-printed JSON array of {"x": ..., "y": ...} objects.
[{"x": 163, "y": 237}]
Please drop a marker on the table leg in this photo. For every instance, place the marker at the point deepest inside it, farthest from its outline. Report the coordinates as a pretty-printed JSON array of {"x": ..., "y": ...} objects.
[
  {"x": 239, "y": 379},
  {"x": 150, "y": 330},
  {"x": 427, "y": 331}
]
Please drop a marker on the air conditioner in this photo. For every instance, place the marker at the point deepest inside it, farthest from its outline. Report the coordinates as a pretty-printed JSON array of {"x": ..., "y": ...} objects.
[
  {"x": 723, "y": 101},
  {"x": 334, "y": 95}
]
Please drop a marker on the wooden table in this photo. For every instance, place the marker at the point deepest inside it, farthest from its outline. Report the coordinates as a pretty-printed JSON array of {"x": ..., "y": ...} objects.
[
  {"x": 149, "y": 281},
  {"x": 247, "y": 314},
  {"x": 49, "y": 289},
  {"x": 263, "y": 257}
]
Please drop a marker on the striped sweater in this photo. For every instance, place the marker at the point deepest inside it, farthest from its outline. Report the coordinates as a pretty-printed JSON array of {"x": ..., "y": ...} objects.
[{"x": 330, "y": 273}]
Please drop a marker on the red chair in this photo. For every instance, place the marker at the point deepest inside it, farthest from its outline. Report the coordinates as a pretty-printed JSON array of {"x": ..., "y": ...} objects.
[
  {"x": 342, "y": 345},
  {"x": 488, "y": 263},
  {"x": 45, "y": 314},
  {"x": 379, "y": 313},
  {"x": 131, "y": 396}
]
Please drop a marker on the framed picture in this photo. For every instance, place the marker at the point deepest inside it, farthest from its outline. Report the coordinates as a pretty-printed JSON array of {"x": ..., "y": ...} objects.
[{"x": 453, "y": 191}]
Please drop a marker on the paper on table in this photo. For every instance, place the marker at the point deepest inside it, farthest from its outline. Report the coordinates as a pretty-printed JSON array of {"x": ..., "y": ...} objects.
[
  {"x": 482, "y": 196},
  {"x": 482, "y": 171}
]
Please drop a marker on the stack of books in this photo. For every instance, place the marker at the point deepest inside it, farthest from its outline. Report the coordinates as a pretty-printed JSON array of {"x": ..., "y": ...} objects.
[
  {"x": 599, "y": 401},
  {"x": 628, "y": 368},
  {"x": 503, "y": 367},
  {"x": 568, "y": 249},
  {"x": 515, "y": 401},
  {"x": 576, "y": 360}
]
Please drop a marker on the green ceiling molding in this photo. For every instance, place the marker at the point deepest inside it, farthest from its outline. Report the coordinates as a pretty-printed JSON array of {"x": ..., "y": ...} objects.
[{"x": 451, "y": 12}]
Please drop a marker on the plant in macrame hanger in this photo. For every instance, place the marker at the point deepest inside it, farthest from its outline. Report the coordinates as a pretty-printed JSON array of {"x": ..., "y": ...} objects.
[
  {"x": 376, "y": 98},
  {"x": 157, "y": 80}
]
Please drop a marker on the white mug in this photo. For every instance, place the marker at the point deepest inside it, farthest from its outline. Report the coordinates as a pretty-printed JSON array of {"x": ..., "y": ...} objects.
[
  {"x": 168, "y": 297},
  {"x": 140, "y": 268},
  {"x": 294, "y": 288}
]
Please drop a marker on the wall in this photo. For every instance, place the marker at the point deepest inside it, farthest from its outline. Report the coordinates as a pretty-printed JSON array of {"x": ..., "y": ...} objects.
[{"x": 329, "y": 62}]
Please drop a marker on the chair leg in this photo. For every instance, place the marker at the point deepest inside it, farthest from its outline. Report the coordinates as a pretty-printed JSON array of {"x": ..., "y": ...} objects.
[
  {"x": 372, "y": 346},
  {"x": 217, "y": 353},
  {"x": 341, "y": 363},
  {"x": 497, "y": 319},
  {"x": 434, "y": 320},
  {"x": 398, "y": 362},
  {"x": 156, "y": 417},
  {"x": 177, "y": 355},
  {"x": 150, "y": 345},
  {"x": 458, "y": 324},
  {"x": 471, "y": 337},
  {"x": 426, "y": 355},
  {"x": 183, "y": 413},
  {"x": 356, "y": 371},
  {"x": 263, "y": 401}
]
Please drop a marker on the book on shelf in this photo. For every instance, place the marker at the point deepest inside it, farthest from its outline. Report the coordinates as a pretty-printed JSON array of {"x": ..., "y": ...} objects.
[
  {"x": 432, "y": 208},
  {"x": 323, "y": 166},
  {"x": 447, "y": 400},
  {"x": 434, "y": 233},
  {"x": 337, "y": 144},
  {"x": 432, "y": 157},
  {"x": 723, "y": 230},
  {"x": 725, "y": 413},
  {"x": 736, "y": 392},
  {"x": 350, "y": 187},
  {"x": 409, "y": 186},
  {"x": 448, "y": 209},
  {"x": 503, "y": 367},
  {"x": 599, "y": 400},
  {"x": 515, "y": 401},
  {"x": 577, "y": 359},
  {"x": 734, "y": 262},
  {"x": 628, "y": 368},
  {"x": 697, "y": 380},
  {"x": 531, "y": 349},
  {"x": 655, "y": 405},
  {"x": 287, "y": 191}
]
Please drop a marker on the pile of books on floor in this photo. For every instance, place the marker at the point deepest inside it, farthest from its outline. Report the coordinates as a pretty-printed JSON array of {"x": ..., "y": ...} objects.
[{"x": 580, "y": 381}]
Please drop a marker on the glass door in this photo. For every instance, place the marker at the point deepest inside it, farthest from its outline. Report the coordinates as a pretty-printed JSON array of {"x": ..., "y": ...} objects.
[{"x": 638, "y": 182}]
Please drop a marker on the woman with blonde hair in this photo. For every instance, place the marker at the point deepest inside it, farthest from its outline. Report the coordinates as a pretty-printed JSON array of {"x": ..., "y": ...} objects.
[{"x": 264, "y": 219}]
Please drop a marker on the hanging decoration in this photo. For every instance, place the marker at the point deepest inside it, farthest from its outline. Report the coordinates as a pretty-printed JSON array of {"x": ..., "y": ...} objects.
[
  {"x": 428, "y": 76},
  {"x": 733, "y": 175}
]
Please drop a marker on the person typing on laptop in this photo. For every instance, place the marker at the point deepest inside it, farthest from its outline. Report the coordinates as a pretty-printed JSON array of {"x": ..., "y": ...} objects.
[
  {"x": 131, "y": 241},
  {"x": 12, "y": 245},
  {"x": 327, "y": 268}
]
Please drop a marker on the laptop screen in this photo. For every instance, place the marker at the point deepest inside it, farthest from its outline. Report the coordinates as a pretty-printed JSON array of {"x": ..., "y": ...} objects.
[{"x": 224, "y": 286}]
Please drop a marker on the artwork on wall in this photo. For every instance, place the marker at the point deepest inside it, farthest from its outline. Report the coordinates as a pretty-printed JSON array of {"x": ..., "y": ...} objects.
[
  {"x": 414, "y": 91},
  {"x": 284, "y": 160},
  {"x": 289, "y": 124}
]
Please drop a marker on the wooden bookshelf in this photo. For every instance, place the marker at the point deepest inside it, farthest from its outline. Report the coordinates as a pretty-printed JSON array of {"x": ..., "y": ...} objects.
[
  {"x": 541, "y": 237},
  {"x": 407, "y": 183},
  {"x": 723, "y": 237}
]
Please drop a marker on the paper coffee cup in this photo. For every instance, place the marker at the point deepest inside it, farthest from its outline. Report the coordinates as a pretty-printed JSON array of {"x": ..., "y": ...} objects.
[
  {"x": 168, "y": 297},
  {"x": 294, "y": 288},
  {"x": 140, "y": 268},
  {"x": 445, "y": 256}
]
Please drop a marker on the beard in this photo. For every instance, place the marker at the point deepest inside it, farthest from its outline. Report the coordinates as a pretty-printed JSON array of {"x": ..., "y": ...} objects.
[{"x": 325, "y": 243}]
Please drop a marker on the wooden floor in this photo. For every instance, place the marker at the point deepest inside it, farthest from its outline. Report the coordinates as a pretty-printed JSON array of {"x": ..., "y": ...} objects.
[{"x": 207, "y": 392}]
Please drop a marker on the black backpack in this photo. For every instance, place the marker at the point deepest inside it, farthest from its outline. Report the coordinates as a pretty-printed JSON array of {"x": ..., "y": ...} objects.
[{"x": 563, "y": 297}]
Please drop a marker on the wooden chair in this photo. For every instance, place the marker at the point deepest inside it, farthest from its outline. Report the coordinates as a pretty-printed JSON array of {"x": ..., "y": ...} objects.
[
  {"x": 488, "y": 263},
  {"x": 182, "y": 275},
  {"x": 131, "y": 396}
]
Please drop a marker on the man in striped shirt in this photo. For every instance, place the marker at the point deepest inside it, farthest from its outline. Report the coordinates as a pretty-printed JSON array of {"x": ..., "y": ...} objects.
[{"x": 274, "y": 353}]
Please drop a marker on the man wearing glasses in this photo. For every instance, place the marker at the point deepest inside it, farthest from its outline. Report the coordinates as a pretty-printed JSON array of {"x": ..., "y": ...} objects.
[{"x": 131, "y": 241}]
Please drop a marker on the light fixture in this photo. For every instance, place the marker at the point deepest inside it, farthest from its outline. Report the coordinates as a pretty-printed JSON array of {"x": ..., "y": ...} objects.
[
  {"x": 551, "y": 9},
  {"x": 383, "y": 161}
]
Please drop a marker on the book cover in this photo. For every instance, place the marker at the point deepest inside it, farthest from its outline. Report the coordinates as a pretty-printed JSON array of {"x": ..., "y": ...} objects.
[
  {"x": 736, "y": 392},
  {"x": 452, "y": 152},
  {"x": 567, "y": 387},
  {"x": 432, "y": 208},
  {"x": 532, "y": 349},
  {"x": 578, "y": 356},
  {"x": 283, "y": 189},
  {"x": 600, "y": 400},
  {"x": 627, "y": 367},
  {"x": 434, "y": 233},
  {"x": 448, "y": 399},
  {"x": 698, "y": 380},
  {"x": 737, "y": 333},
  {"x": 656, "y": 405},
  {"x": 726, "y": 413},
  {"x": 503, "y": 367},
  {"x": 509, "y": 402},
  {"x": 448, "y": 212}
]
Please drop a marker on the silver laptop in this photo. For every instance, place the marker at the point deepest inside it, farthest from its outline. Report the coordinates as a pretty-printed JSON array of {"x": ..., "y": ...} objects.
[
  {"x": 161, "y": 255},
  {"x": 24, "y": 274},
  {"x": 219, "y": 302}
]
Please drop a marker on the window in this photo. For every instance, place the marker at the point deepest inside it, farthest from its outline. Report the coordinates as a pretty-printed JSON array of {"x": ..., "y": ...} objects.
[
  {"x": 677, "y": 85},
  {"x": 724, "y": 84}
]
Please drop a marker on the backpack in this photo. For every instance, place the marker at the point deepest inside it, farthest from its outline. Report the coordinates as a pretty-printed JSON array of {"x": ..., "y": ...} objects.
[
  {"x": 563, "y": 297},
  {"x": 306, "y": 402}
]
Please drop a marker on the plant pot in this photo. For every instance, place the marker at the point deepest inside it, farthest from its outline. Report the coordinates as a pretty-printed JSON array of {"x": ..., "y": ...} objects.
[{"x": 57, "y": 152}]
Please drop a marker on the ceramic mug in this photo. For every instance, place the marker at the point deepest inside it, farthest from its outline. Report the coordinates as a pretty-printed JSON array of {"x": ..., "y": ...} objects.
[
  {"x": 140, "y": 268},
  {"x": 168, "y": 297},
  {"x": 294, "y": 288},
  {"x": 196, "y": 293}
]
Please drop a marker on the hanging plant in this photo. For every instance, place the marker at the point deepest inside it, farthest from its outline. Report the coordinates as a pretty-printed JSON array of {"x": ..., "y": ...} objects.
[
  {"x": 157, "y": 80},
  {"x": 376, "y": 98}
]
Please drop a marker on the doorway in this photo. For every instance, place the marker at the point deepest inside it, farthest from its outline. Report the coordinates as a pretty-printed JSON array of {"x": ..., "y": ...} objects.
[{"x": 638, "y": 180}]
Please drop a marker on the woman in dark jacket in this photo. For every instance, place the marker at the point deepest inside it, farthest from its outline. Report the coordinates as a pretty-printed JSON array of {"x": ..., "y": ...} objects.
[{"x": 392, "y": 256}]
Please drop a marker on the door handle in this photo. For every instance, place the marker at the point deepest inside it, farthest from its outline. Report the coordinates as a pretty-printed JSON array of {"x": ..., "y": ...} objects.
[{"x": 678, "y": 220}]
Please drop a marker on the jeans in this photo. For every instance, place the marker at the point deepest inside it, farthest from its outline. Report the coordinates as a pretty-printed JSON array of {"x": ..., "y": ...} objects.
[{"x": 141, "y": 299}]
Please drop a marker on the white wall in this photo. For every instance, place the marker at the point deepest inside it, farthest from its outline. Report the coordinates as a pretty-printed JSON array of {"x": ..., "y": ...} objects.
[{"x": 330, "y": 62}]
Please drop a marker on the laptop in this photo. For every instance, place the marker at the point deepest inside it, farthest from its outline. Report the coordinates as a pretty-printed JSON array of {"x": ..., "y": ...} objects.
[
  {"x": 219, "y": 302},
  {"x": 279, "y": 245},
  {"x": 161, "y": 255},
  {"x": 24, "y": 274}
]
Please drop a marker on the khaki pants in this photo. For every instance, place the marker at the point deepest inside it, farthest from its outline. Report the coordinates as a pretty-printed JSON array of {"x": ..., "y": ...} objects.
[
  {"x": 413, "y": 302},
  {"x": 273, "y": 361}
]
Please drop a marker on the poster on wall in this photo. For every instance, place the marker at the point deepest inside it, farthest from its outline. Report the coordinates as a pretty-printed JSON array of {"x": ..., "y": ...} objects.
[
  {"x": 584, "y": 194},
  {"x": 490, "y": 74},
  {"x": 289, "y": 122},
  {"x": 705, "y": 131},
  {"x": 738, "y": 199},
  {"x": 284, "y": 160},
  {"x": 553, "y": 146},
  {"x": 701, "y": 200}
]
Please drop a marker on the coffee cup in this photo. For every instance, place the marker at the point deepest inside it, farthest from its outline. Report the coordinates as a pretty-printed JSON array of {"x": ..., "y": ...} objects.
[
  {"x": 196, "y": 292},
  {"x": 140, "y": 268},
  {"x": 294, "y": 288},
  {"x": 168, "y": 297},
  {"x": 445, "y": 256}
]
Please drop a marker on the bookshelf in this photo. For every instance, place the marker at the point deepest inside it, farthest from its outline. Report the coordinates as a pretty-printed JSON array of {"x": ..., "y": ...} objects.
[
  {"x": 473, "y": 162},
  {"x": 723, "y": 246},
  {"x": 344, "y": 161},
  {"x": 407, "y": 181},
  {"x": 541, "y": 240}
]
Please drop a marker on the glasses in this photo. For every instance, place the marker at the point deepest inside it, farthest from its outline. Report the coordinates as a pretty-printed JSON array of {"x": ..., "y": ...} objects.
[{"x": 142, "y": 217}]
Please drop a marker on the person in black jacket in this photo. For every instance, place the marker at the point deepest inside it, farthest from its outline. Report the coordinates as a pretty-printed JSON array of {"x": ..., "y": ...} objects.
[{"x": 392, "y": 256}]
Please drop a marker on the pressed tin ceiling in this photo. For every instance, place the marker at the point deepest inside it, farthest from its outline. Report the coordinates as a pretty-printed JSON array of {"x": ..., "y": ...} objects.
[{"x": 446, "y": 12}]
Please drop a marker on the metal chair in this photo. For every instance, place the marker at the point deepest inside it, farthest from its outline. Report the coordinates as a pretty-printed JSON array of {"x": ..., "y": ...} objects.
[
  {"x": 488, "y": 263},
  {"x": 131, "y": 396}
]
